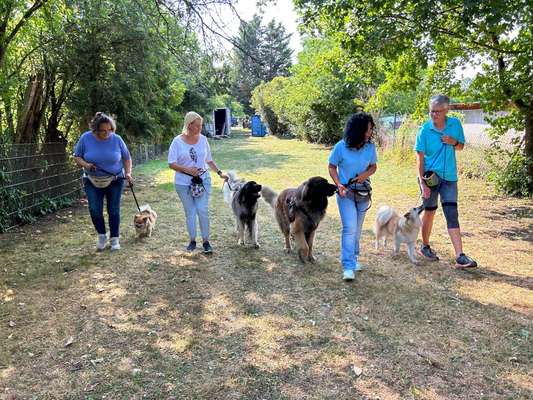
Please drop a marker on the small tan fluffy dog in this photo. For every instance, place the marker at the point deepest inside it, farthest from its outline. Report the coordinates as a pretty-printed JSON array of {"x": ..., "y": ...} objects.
[
  {"x": 145, "y": 221},
  {"x": 402, "y": 229}
]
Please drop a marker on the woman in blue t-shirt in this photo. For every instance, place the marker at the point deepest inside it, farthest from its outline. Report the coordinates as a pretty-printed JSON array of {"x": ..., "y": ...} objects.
[
  {"x": 106, "y": 162},
  {"x": 352, "y": 157}
]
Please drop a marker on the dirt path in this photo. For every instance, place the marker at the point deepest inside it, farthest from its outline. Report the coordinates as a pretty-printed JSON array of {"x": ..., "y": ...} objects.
[{"x": 152, "y": 321}]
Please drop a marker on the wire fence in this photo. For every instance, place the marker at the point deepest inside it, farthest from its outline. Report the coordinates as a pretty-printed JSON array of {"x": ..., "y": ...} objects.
[{"x": 38, "y": 178}]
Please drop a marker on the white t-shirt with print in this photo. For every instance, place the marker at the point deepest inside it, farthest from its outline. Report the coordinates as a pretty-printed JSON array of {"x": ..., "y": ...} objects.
[{"x": 189, "y": 155}]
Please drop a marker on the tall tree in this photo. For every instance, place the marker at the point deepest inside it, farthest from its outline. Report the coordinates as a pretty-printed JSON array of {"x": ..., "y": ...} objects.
[
  {"x": 261, "y": 53},
  {"x": 497, "y": 31}
]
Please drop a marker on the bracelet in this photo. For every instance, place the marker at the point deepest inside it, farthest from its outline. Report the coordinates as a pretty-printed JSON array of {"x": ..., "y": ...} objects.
[{"x": 219, "y": 172}]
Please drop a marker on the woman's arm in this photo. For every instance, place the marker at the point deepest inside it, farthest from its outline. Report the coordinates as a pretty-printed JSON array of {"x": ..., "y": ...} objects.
[
  {"x": 214, "y": 168},
  {"x": 84, "y": 164},
  {"x": 426, "y": 191},
  {"x": 186, "y": 170},
  {"x": 127, "y": 170},
  {"x": 371, "y": 170},
  {"x": 335, "y": 176}
]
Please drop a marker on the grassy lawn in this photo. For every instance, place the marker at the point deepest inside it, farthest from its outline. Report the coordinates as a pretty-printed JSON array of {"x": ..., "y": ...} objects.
[{"x": 153, "y": 321}]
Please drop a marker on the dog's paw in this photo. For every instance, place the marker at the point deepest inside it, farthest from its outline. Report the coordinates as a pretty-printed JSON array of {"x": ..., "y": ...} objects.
[
  {"x": 311, "y": 259},
  {"x": 256, "y": 245}
]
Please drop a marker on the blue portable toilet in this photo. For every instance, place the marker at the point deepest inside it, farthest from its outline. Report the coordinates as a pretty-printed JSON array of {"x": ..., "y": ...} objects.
[{"x": 258, "y": 128}]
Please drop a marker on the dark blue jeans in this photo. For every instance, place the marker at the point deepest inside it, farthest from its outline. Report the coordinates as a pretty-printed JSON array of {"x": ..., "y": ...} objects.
[{"x": 95, "y": 197}]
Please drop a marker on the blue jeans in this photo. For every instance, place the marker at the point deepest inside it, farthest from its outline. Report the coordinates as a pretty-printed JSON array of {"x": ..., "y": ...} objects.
[
  {"x": 95, "y": 197},
  {"x": 352, "y": 218},
  {"x": 194, "y": 206}
]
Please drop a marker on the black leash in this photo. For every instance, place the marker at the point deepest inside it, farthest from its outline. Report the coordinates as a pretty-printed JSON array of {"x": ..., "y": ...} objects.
[{"x": 135, "y": 197}]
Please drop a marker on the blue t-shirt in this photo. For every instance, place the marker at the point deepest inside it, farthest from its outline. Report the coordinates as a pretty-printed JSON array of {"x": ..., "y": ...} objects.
[
  {"x": 105, "y": 154},
  {"x": 352, "y": 162},
  {"x": 440, "y": 157}
]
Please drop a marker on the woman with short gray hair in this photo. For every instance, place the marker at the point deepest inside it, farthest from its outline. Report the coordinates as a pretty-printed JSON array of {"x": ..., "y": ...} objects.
[{"x": 436, "y": 143}]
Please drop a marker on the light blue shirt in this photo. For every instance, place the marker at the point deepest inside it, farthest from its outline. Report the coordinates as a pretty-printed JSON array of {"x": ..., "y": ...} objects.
[
  {"x": 106, "y": 154},
  {"x": 440, "y": 157},
  {"x": 352, "y": 162}
]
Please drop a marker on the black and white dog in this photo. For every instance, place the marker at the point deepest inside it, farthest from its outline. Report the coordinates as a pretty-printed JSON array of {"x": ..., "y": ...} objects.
[{"x": 242, "y": 196}]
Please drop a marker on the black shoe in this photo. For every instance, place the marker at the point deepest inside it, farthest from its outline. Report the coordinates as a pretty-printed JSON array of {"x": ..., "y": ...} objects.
[
  {"x": 463, "y": 261},
  {"x": 428, "y": 253},
  {"x": 207, "y": 248},
  {"x": 192, "y": 245}
]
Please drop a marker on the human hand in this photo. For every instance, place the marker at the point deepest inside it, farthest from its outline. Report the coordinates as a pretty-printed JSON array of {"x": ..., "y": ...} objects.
[
  {"x": 129, "y": 178},
  {"x": 448, "y": 140},
  {"x": 426, "y": 191},
  {"x": 342, "y": 190},
  {"x": 361, "y": 178},
  {"x": 194, "y": 171},
  {"x": 224, "y": 176}
]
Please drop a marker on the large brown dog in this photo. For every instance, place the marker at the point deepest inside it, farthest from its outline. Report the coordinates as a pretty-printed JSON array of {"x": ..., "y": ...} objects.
[{"x": 299, "y": 211}]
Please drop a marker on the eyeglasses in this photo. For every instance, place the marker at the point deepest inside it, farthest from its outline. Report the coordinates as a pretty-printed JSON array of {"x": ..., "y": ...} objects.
[{"x": 437, "y": 111}]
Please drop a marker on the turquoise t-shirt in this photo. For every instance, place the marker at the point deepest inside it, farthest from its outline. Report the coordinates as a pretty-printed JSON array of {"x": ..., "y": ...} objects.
[
  {"x": 440, "y": 157},
  {"x": 352, "y": 162}
]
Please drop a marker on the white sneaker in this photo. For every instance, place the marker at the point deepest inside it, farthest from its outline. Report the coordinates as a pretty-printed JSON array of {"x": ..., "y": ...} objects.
[
  {"x": 101, "y": 242},
  {"x": 348, "y": 275},
  {"x": 115, "y": 245}
]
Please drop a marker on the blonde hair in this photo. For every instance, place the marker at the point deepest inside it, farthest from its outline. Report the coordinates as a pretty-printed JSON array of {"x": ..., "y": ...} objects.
[{"x": 190, "y": 117}]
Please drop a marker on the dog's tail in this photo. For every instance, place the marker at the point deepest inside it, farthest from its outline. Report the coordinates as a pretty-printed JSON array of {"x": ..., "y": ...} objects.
[
  {"x": 232, "y": 175},
  {"x": 384, "y": 215},
  {"x": 269, "y": 196}
]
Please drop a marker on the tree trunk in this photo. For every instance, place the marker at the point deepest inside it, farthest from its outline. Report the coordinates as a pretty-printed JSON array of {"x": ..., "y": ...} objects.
[
  {"x": 30, "y": 117},
  {"x": 528, "y": 142}
]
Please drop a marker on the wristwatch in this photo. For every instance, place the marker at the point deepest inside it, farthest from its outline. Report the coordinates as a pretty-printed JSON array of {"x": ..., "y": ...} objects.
[{"x": 219, "y": 172}]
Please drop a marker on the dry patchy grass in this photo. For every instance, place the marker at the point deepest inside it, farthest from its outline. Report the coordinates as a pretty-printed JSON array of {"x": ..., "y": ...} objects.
[{"x": 153, "y": 321}]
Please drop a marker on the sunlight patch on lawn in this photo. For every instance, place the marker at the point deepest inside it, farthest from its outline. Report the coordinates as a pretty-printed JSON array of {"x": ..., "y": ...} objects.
[{"x": 500, "y": 294}]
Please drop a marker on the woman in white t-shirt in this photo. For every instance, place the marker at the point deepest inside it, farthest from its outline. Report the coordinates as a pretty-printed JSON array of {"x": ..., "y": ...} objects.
[{"x": 190, "y": 155}]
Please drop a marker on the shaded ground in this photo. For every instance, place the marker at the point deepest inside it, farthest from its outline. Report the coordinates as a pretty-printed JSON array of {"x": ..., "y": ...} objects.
[{"x": 152, "y": 321}]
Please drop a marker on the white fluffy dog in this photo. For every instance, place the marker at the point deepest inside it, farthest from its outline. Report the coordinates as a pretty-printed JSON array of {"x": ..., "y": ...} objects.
[{"x": 402, "y": 229}]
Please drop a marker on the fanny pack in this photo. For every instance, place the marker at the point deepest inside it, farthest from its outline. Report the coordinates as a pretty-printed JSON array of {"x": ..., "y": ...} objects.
[
  {"x": 101, "y": 182},
  {"x": 431, "y": 178},
  {"x": 360, "y": 192},
  {"x": 196, "y": 187}
]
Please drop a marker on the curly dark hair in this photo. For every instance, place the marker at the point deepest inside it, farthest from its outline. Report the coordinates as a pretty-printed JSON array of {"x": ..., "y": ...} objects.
[{"x": 356, "y": 127}]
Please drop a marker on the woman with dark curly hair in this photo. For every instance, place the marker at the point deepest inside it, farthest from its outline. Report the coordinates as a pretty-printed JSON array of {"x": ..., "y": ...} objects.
[{"x": 353, "y": 159}]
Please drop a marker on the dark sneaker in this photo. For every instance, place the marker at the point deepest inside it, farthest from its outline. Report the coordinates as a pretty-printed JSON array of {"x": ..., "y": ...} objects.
[
  {"x": 463, "y": 261},
  {"x": 428, "y": 253},
  {"x": 191, "y": 246},
  {"x": 207, "y": 248}
]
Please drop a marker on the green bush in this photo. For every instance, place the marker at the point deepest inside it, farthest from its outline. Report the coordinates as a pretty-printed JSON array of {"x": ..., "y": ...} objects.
[{"x": 315, "y": 101}]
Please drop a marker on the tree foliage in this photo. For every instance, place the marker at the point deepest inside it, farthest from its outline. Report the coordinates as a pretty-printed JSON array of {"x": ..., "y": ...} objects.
[
  {"x": 261, "y": 54},
  {"x": 318, "y": 96},
  {"x": 62, "y": 60},
  {"x": 446, "y": 32}
]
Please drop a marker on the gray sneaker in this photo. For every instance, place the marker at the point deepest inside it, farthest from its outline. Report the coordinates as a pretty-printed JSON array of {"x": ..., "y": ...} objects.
[
  {"x": 463, "y": 261},
  {"x": 101, "y": 242},
  {"x": 428, "y": 253}
]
